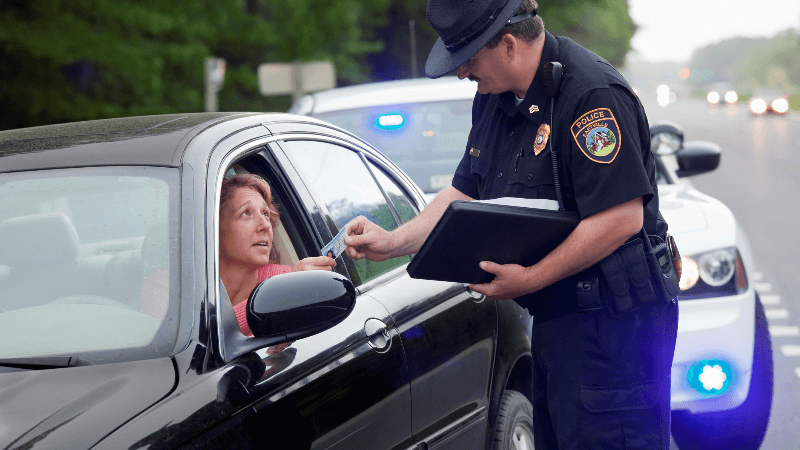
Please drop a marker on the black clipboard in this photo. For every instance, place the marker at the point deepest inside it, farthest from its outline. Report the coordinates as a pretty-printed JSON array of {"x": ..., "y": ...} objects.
[{"x": 471, "y": 232}]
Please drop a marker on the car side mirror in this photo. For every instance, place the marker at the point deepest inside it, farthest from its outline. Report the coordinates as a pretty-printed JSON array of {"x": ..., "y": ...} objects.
[
  {"x": 697, "y": 157},
  {"x": 284, "y": 308},
  {"x": 299, "y": 304}
]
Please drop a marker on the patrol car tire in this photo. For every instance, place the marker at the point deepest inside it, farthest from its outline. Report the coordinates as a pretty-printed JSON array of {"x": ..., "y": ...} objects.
[
  {"x": 514, "y": 428},
  {"x": 743, "y": 427}
]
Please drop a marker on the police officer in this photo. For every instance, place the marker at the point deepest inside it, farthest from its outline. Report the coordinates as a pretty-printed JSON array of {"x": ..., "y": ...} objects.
[{"x": 605, "y": 331}]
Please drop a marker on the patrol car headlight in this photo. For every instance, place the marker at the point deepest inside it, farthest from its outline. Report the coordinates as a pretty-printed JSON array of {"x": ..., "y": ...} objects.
[
  {"x": 731, "y": 97},
  {"x": 713, "y": 274},
  {"x": 716, "y": 268},
  {"x": 713, "y": 97}
]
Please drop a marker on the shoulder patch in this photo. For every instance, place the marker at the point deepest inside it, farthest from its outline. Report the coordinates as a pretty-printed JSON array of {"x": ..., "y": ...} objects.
[{"x": 597, "y": 135}]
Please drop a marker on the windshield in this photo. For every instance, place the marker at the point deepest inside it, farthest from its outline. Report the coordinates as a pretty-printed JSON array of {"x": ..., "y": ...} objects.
[
  {"x": 426, "y": 140},
  {"x": 88, "y": 263}
]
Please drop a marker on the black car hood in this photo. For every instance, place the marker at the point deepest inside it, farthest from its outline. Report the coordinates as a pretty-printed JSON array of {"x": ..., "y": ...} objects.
[{"x": 78, "y": 406}]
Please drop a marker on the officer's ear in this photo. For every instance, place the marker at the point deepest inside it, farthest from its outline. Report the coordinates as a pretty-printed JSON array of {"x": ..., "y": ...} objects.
[{"x": 511, "y": 45}]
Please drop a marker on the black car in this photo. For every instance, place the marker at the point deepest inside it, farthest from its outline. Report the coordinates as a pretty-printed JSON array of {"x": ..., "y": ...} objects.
[{"x": 360, "y": 358}]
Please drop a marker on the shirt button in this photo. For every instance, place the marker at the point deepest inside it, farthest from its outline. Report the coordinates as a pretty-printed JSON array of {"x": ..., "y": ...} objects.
[{"x": 500, "y": 175}]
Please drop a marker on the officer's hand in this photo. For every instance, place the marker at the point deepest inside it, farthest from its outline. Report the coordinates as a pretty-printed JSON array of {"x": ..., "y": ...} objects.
[
  {"x": 509, "y": 281},
  {"x": 367, "y": 240}
]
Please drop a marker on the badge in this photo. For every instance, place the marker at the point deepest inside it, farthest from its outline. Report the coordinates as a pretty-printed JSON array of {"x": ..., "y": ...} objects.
[
  {"x": 541, "y": 138},
  {"x": 475, "y": 152},
  {"x": 597, "y": 135},
  {"x": 533, "y": 109}
]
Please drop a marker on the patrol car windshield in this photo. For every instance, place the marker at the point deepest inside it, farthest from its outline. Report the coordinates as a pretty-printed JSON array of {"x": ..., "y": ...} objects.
[
  {"x": 88, "y": 263},
  {"x": 426, "y": 140}
]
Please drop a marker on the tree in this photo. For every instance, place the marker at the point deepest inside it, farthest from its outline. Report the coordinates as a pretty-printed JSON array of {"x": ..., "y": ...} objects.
[
  {"x": 751, "y": 63},
  {"x": 88, "y": 59},
  {"x": 79, "y": 60},
  {"x": 602, "y": 26}
]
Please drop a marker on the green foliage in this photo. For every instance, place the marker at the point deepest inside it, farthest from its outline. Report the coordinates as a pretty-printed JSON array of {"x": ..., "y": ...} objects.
[
  {"x": 602, "y": 26},
  {"x": 80, "y": 60},
  {"x": 751, "y": 63},
  {"x": 88, "y": 59}
]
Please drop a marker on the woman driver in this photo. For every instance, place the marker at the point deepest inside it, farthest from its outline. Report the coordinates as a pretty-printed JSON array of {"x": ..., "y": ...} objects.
[{"x": 246, "y": 254}]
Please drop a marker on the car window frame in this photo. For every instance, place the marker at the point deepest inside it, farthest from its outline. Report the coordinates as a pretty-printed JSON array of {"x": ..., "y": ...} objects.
[
  {"x": 245, "y": 148},
  {"x": 364, "y": 156}
]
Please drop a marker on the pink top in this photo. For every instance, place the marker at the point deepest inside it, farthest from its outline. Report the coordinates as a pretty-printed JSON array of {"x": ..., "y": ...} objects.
[{"x": 264, "y": 272}]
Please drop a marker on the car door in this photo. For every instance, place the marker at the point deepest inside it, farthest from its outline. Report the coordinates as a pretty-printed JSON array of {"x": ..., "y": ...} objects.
[
  {"x": 448, "y": 334},
  {"x": 344, "y": 388}
]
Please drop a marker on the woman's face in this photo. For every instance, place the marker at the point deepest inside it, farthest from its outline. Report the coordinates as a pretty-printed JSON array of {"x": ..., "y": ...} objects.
[{"x": 245, "y": 230}]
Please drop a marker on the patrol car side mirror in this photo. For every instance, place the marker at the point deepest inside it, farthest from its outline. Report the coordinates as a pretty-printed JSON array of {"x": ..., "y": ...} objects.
[
  {"x": 666, "y": 137},
  {"x": 697, "y": 157}
]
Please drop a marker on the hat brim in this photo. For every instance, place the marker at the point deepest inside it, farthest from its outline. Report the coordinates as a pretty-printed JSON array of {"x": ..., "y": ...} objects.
[{"x": 441, "y": 61}]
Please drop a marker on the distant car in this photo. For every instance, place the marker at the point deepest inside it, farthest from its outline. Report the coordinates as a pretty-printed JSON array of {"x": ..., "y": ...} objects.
[
  {"x": 722, "y": 93},
  {"x": 722, "y": 370},
  {"x": 116, "y": 334},
  {"x": 769, "y": 101}
]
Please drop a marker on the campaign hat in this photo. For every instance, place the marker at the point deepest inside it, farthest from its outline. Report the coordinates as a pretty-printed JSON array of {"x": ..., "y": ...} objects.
[{"x": 464, "y": 27}]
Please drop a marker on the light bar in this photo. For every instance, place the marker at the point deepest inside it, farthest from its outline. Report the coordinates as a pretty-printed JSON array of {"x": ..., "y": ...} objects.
[{"x": 391, "y": 121}]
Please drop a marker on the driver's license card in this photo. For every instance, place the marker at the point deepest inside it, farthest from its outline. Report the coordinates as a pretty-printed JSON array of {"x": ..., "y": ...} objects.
[{"x": 337, "y": 245}]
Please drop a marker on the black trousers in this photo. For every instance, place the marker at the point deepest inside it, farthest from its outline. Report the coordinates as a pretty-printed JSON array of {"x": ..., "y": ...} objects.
[{"x": 604, "y": 383}]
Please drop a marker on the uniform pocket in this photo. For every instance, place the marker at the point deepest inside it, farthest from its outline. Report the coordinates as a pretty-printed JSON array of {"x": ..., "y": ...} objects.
[
  {"x": 610, "y": 398},
  {"x": 638, "y": 273},
  {"x": 533, "y": 171},
  {"x": 533, "y": 178}
]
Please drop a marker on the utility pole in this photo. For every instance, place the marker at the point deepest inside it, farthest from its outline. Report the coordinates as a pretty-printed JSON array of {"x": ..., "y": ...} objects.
[
  {"x": 412, "y": 33},
  {"x": 215, "y": 75}
]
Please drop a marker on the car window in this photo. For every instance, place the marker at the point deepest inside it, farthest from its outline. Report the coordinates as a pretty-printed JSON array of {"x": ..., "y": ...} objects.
[
  {"x": 426, "y": 140},
  {"x": 404, "y": 206},
  {"x": 88, "y": 263},
  {"x": 340, "y": 181}
]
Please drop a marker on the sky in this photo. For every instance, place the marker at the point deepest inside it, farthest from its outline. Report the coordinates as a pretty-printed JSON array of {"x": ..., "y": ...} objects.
[{"x": 672, "y": 30}]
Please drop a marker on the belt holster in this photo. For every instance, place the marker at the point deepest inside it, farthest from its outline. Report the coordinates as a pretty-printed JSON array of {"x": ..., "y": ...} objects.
[{"x": 640, "y": 272}]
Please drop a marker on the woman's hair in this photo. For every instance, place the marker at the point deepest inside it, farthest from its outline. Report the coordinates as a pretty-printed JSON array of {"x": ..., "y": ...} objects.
[{"x": 258, "y": 184}]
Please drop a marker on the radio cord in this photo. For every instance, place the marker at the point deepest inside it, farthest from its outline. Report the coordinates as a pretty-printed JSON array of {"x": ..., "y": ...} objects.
[{"x": 554, "y": 157}]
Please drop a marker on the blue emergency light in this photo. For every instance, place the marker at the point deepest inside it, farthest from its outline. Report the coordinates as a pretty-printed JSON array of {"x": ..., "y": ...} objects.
[
  {"x": 392, "y": 121},
  {"x": 710, "y": 376}
]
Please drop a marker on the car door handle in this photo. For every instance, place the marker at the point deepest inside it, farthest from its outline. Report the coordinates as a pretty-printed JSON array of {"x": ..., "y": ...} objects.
[
  {"x": 475, "y": 296},
  {"x": 378, "y": 335}
]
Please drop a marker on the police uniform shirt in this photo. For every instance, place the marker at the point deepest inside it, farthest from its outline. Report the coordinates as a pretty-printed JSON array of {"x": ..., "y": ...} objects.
[{"x": 599, "y": 129}]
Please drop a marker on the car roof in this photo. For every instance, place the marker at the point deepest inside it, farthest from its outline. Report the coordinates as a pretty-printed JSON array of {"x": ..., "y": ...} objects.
[
  {"x": 392, "y": 93},
  {"x": 146, "y": 140}
]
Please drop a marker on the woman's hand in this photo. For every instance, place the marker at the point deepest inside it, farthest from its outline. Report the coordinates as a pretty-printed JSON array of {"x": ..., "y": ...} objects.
[{"x": 315, "y": 263}]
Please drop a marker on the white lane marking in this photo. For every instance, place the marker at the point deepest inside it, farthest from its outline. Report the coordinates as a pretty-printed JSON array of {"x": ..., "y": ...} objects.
[
  {"x": 797, "y": 371},
  {"x": 770, "y": 299},
  {"x": 790, "y": 350},
  {"x": 782, "y": 330},
  {"x": 757, "y": 276},
  {"x": 763, "y": 287},
  {"x": 776, "y": 313}
]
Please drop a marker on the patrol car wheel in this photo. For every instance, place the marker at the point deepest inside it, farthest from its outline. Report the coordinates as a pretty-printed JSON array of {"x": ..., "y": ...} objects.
[
  {"x": 740, "y": 428},
  {"x": 514, "y": 430}
]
